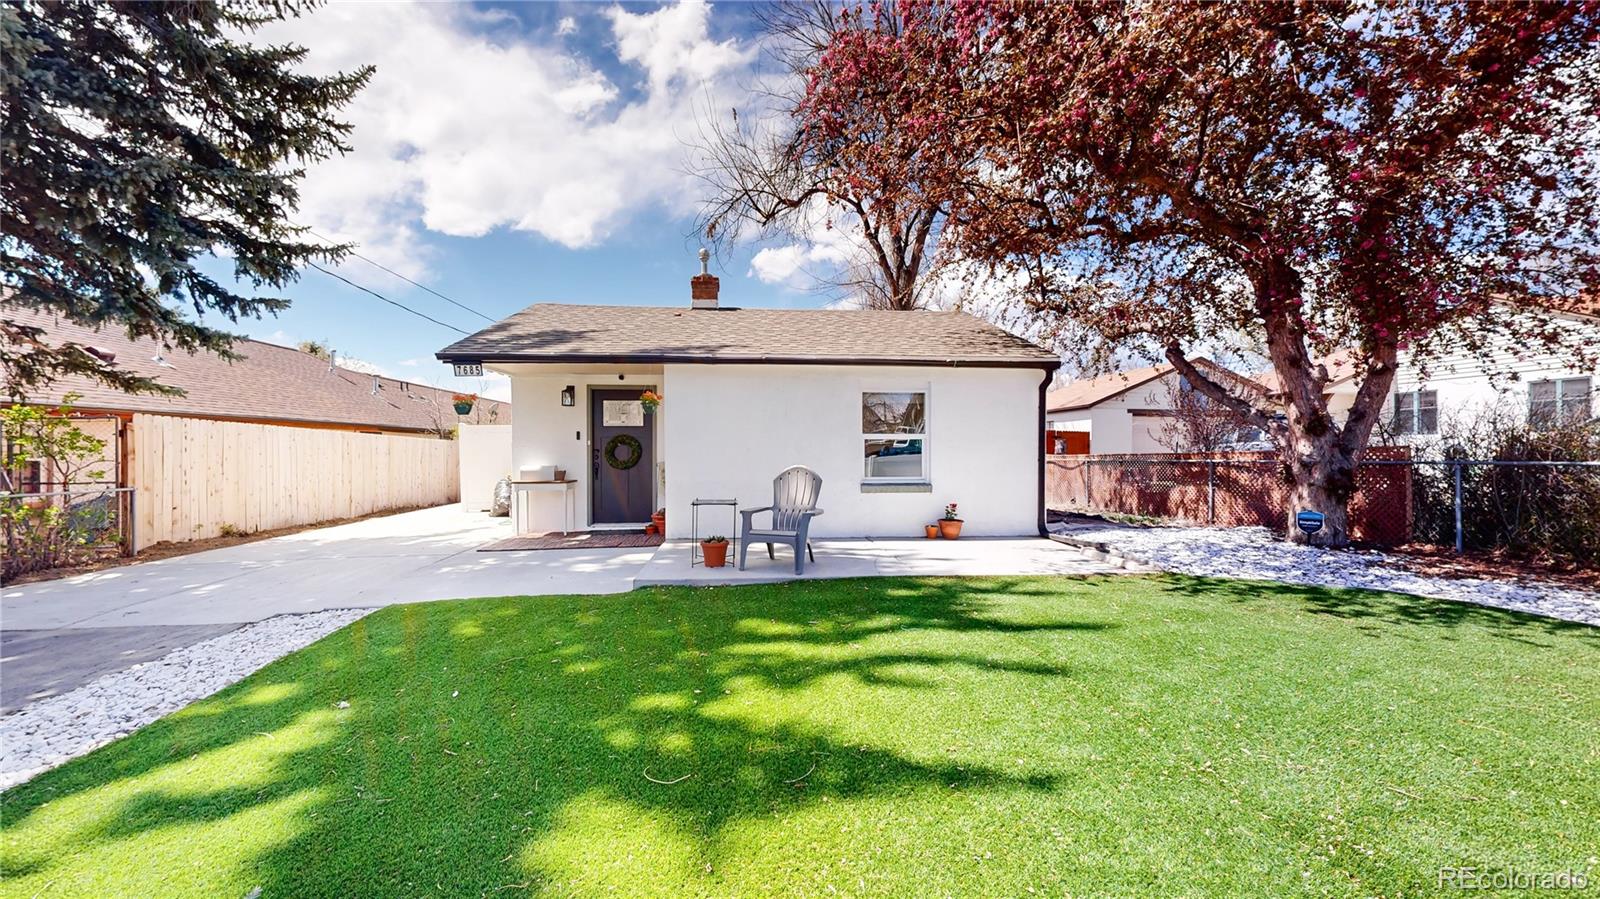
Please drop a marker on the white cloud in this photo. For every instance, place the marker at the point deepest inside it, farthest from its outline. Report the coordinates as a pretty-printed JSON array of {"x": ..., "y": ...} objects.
[
  {"x": 825, "y": 242},
  {"x": 350, "y": 363},
  {"x": 568, "y": 25},
  {"x": 777, "y": 265},
  {"x": 671, "y": 43},
  {"x": 470, "y": 125}
]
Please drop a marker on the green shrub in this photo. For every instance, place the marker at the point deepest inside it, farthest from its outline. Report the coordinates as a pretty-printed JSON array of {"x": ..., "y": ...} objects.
[
  {"x": 50, "y": 531},
  {"x": 1538, "y": 512}
]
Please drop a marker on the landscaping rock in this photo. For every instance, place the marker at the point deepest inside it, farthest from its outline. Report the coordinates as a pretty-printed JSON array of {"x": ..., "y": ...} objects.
[
  {"x": 44, "y": 734},
  {"x": 1257, "y": 553}
]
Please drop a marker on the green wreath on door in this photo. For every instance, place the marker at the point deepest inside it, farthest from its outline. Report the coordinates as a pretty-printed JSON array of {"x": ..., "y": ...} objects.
[{"x": 635, "y": 452}]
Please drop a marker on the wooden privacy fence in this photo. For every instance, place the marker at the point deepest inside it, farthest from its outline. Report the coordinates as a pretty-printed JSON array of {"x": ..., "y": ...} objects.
[
  {"x": 1230, "y": 490},
  {"x": 195, "y": 477}
]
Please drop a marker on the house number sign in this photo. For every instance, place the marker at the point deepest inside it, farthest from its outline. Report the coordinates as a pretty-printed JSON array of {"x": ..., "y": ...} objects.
[{"x": 469, "y": 369}]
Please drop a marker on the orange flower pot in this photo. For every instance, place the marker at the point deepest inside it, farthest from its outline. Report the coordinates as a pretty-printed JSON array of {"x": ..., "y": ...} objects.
[
  {"x": 950, "y": 528},
  {"x": 716, "y": 554},
  {"x": 933, "y": 531}
]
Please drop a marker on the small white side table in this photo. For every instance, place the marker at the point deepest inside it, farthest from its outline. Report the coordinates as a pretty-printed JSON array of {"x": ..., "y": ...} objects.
[{"x": 569, "y": 503}]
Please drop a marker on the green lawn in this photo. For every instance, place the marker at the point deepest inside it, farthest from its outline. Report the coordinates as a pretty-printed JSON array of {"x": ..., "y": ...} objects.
[{"x": 1164, "y": 736}]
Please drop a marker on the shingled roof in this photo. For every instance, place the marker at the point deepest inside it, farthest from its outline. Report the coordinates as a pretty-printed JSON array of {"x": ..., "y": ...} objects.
[
  {"x": 556, "y": 332},
  {"x": 1081, "y": 393},
  {"x": 1085, "y": 392},
  {"x": 271, "y": 383}
]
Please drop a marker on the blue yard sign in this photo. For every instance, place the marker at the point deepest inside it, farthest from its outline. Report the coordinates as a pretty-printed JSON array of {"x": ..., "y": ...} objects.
[{"x": 1309, "y": 521}]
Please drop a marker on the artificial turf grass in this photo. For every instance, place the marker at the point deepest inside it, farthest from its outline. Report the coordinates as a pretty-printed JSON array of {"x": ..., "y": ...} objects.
[{"x": 929, "y": 736}]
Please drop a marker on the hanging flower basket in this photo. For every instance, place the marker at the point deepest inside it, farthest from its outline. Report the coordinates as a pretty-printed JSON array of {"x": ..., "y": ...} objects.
[
  {"x": 650, "y": 400},
  {"x": 463, "y": 402}
]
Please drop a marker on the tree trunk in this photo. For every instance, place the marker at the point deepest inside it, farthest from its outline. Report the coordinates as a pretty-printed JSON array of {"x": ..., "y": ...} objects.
[
  {"x": 1321, "y": 461},
  {"x": 1323, "y": 480}
]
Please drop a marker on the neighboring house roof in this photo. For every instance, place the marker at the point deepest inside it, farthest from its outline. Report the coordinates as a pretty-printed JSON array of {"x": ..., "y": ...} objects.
[
  {"x": 1086, "y": 392},
  {"x": 557, "y": 332},
  {"x": 1584, "y": 306},
  {"x": 1341, "y": 365},
  {"x": 271, "y": 383}
]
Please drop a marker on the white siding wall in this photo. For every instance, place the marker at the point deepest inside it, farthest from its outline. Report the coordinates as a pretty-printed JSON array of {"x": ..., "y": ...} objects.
[
  {"x": 544, "y": 432},
  {"x": 732, "y": 428},
  {"x": 1465, "y": 388}
]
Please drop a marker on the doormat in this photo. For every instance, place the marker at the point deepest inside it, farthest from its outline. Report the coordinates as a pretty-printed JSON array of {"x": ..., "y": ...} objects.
[{"x": 575, "y": 540}]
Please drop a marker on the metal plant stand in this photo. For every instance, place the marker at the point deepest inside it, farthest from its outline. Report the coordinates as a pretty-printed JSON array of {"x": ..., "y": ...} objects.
[{"x": 694, "y": 528}]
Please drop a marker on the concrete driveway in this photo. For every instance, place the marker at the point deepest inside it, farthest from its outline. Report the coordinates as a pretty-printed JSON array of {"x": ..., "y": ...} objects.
[
  {"x": 58, "y": 635},
  {"x": 411, "y": 557}
]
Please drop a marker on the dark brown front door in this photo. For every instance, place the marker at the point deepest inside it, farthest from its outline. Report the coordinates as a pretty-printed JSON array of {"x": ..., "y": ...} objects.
[{"x": 620, "y": 495}]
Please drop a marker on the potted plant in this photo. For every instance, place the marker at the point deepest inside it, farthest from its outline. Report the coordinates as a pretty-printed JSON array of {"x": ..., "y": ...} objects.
[
  {"x": 463, "y": 402},
  {"x": 933, "y": 531},
  {"x": 715, "y": 551},
  {"x": 650, "y": 400},
  {"x": 659, "y": 519},
  {"x": 950, "y": 524}
]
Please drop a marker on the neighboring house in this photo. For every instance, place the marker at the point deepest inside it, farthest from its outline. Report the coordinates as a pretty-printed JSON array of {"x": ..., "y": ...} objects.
[
  {"x": 1535, "y": 387},
  {"x": 270, "y": 384},
  {"x": 898, "y": 412},
  {"x": 1128, "y": 411},
  {"x": 273, "y": 439}
]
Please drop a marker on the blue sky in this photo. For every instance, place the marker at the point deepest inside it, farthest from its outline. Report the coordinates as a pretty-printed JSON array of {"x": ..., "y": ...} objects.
[{"x": 507, "y": 154}]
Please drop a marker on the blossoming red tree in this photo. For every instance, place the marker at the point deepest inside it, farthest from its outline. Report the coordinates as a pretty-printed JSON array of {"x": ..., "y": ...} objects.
[{"x": 1394, "y": 178}]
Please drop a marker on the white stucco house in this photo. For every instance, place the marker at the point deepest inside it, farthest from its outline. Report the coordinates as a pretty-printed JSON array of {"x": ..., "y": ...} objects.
[{"x": 898, "y": 412}]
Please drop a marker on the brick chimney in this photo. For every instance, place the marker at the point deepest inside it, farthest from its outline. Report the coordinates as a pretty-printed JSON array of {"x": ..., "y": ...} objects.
[{"x": 703, "y": 287}]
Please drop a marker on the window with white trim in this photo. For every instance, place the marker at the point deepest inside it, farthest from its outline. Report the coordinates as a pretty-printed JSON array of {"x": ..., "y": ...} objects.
[
  {"x": 894, "y": 435},
  {"x": 1558, "y": 400},
  {"x": 1416, "y": 412}
]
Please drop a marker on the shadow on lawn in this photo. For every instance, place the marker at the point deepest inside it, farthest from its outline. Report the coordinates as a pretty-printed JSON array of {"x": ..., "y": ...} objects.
[
  {"x": 485, "y": 741},
  {"x": 1374, "y": 611}
]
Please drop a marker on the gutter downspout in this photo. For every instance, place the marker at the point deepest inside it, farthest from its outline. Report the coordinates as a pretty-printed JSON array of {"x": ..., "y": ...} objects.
[{"x": 1044, "y": 389}]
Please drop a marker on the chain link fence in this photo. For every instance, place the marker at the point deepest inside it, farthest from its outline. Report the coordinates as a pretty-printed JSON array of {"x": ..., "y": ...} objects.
[
  {"x": 88, "y": 523},
  {"x": 1527, "y": 507},
  {"x": 60, "y": 512}
]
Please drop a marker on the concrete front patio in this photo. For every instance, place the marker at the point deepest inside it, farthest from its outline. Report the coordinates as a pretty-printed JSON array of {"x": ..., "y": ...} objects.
[{"x": 975, "y": 556}]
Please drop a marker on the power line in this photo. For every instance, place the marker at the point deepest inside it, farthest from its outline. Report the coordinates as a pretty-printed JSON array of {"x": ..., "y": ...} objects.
[
  {"x": 391, "y": 271},
  {"x": 386, "y": 299}
]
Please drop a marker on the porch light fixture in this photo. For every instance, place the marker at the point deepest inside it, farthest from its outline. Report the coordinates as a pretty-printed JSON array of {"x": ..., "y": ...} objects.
[{"x": 569, "y": 395}]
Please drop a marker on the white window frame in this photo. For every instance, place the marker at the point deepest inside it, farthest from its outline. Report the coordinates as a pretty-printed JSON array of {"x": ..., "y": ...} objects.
[
  {"x": 927, "y": 426},
  {"x": 1415, "y": 408},
  {"x": 1562, "y": 400}
]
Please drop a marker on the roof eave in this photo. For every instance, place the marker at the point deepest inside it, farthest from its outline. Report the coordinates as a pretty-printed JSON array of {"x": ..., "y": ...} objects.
[{"x": 449, "y": 355}]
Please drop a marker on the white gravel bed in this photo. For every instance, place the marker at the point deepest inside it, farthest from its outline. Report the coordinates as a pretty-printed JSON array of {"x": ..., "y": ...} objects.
[
  {"x": 1255, "y": 553},
  {"x": 43, "y": 734}
]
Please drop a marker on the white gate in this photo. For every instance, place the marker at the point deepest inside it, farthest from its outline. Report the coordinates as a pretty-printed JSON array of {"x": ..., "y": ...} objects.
[{"x": 485, "y": 459}]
